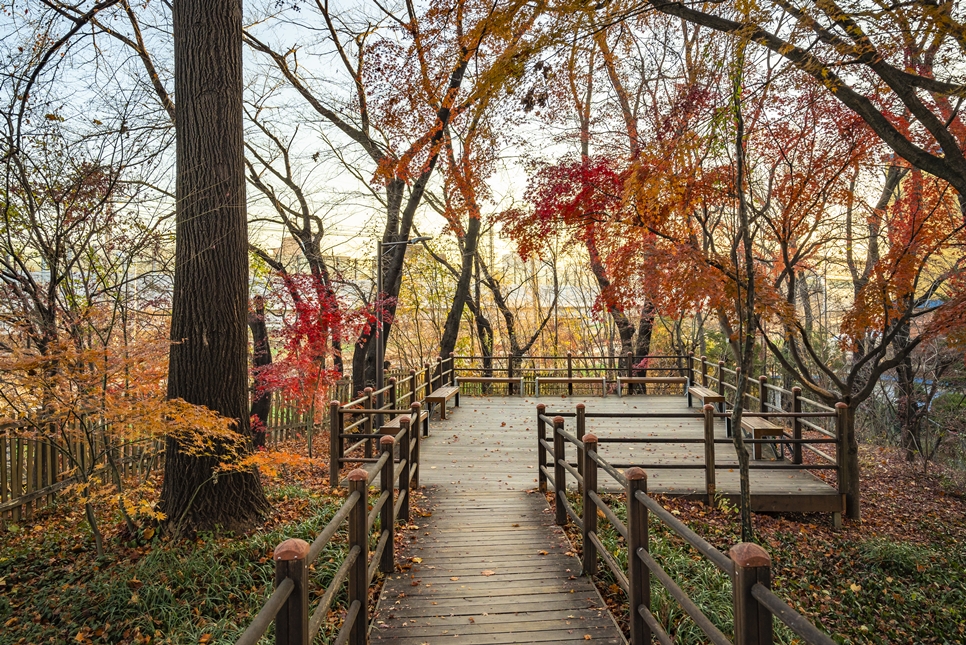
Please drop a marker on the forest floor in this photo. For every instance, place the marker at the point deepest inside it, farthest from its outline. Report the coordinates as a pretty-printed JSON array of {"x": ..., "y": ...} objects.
[
  {"x": 899, "y": 576},
  {"x": 149, "y": 589}
]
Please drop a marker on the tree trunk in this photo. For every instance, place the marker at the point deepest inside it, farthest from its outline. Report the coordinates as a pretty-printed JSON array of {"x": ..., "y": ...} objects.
[
  {"x": 208, "y": 362},
  {"x": 452, "y": 327},
  {"x": 261, "y": 357}
]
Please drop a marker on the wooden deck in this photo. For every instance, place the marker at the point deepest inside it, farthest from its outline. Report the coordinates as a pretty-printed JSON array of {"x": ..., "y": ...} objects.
[{"x": 489, "y": 566}]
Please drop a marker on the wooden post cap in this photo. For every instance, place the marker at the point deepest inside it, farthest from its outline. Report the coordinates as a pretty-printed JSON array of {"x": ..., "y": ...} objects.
[
  {"x": 703, "y": 357},
  {"x": 738, "y": 370},
  {"x": 368, "y": 390},
  {"x": 708, "y": 407},
  {"x": 841, "y": 405},
  {"x": 358, "y": 475},
  {"x": 635, "y": 474},
  {"x": 762, "y": 378},
  {"x": 748, "y": 554},
  {"x": 590, "y": 438},
  {"x": 416, "y": 406},
  {"x": 387, "y": 440},
  {"x": 291, "y": 549},
  {"x": 581, "y": 406},
  {"x": 404, "y": 421},
  {"x": 570, "y": 354},
  {"x": 541, "y": 407},
  {"x": 796, "y": 390},
  {"x": 558, "y": 420},
  {"x": 392, "y": 379}
]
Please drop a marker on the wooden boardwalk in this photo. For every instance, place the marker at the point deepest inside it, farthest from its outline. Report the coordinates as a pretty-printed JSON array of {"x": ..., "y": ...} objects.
[{"x": 489, "y": 566}]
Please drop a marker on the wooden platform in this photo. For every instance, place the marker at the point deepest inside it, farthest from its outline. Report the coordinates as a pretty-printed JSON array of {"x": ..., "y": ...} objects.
[{"x": 489, "y": 566}]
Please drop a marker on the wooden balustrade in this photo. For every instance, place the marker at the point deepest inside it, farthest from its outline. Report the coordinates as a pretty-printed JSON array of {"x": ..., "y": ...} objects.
[
  {"x": 288, "y": 606},
  {"x": 748, "y": 566}
]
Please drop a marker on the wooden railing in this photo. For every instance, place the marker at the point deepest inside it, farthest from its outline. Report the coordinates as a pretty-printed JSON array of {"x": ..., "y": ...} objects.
[
  {"x": 288, "y": 606},
  {"x": 570, "y": 366},
  {"x": 747, "y": 565},
  {"x": 708, "y": 442},
  {"x": 360, "y": 421}
]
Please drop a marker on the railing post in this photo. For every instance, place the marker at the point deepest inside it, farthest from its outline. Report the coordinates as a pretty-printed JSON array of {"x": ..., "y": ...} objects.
[
  {"x": 738, "y": 377},
  {"x": 721, "y": 379},
  {"x": 753, "y": 622},
  {"x": 690, "y": 367},
  {"x": 427, "y": 379},
  {"x": 358, "y": 573},
  {"x": 392, "y": 393},
  {"x": 412, "y": 436},
  {"x": 709, "y": 474},
  {"x": 335, "y": 443},
  {"x": 841, "y": 456},
  {"x": 797, "y": 425},
  {"x": 589, "y": 467},
  {"x": 292, "y": 620},
  {"x": 638, "y": 575},
  {"x": 367, "y": 426},
  {"x": 541, "y": 449},
  {"x": 763, "y": 393},
  {"x": 388, "y": 562},
  {"x": 416, "y": 413},
  {"x": 581, "y": 429},
  {"x": 704, "y": 371},
  {"x": 452, "y": 368},
  {"x": 412, "y": 386},
  {"x": 559, "y": 473},
  {"x": 570, "y": 373},
  {"x": 509, "y": 374},
  {"x": 630, "y": 365},
  {"x": 403, "y": 485}
]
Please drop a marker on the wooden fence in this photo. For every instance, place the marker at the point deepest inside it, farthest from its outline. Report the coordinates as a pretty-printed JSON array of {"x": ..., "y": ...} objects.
[
  {"x": 355, "y": 425},
  {"x": 747, "y": 565},
  {"x": 530, "y": 368},
  {"x": 288, "y": 606},
  {"x": 33, "y": 471}
]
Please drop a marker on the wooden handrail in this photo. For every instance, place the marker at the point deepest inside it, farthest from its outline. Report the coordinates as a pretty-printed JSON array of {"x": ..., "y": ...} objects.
[
  {"x": 748, "y": 566},
  {"x": 288, "y": 605}
]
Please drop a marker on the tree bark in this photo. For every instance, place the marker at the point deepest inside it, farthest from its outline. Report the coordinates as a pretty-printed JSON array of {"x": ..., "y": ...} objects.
[
  {"x": 208, "y": 363},
  {"x": 452, "y": 326},
  {"x": 261, "y": 357}
]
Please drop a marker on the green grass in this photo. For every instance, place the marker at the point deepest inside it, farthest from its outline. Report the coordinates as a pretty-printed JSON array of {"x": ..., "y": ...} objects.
[{"x": 175, "y": 592}]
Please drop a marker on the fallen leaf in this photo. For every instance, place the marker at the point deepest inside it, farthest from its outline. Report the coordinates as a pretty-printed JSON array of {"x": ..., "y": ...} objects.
[
  {"x": 488, "y": 572},
  {"x": 455, "y": 578}
]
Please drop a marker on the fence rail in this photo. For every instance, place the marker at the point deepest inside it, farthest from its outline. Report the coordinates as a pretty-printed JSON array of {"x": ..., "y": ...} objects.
[
  {"x": 747, "y": 565},
  {"x": 288, "y": 605}
]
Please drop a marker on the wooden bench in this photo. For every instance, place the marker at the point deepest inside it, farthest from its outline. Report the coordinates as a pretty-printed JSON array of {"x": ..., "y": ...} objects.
[
  {"x": 706, "y": 396},
  {"x": 441, "y": 396},
  {"x": 761, "y": 428},
  {"x": 709, "y": 396},
  {"x": 393, "y": 427},
  {"x": 509, "y": 380},
  {"x": 647, "y": 380},
  {"x": 577, "y": 380}
]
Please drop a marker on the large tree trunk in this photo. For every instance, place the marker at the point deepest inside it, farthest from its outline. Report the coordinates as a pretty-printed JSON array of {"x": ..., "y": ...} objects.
[{"x": 208, "y": 362}]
